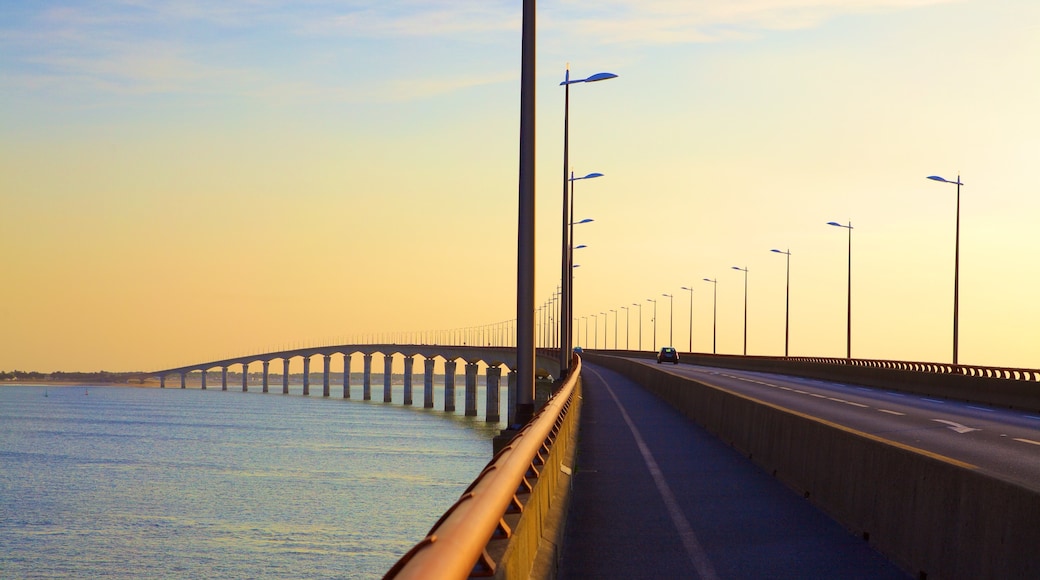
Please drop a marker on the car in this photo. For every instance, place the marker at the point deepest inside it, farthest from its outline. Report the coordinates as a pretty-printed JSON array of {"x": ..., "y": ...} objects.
[
  {"x": 668, "y": 354},
  {"x": 578, "y": 350}
]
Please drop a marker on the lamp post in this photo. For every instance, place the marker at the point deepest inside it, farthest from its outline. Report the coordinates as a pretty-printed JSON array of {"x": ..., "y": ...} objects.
[
  {"x": 848, "y": 321},
  {"x": 956, "y": 260},
  {"x": 525, "y": 258},
  {"x": 606, "y": 322},
  {"x": 628, "y": 334},
  {"x": 787, "y": 309},
  {"x": 595, "y": 331},
  {"x": 690, "y": 290},
  {"x": 568, "y": 209},
  {"x": 655, "y": 321},
  {"x": 586, "y": 319},
  {"x": 640, "y": 305},
  {"x": 745, "y": 271},
  {"x": 714, "y": 310},
  {"x": 615, "y": 328},
  {"x": 671, "y": 319}
]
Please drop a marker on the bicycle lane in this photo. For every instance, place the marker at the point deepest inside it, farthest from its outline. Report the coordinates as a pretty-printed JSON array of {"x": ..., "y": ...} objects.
[{"x": 656, "y": 496}]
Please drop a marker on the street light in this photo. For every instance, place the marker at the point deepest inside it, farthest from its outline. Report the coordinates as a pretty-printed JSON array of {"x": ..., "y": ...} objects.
[
  {"x": 615, "y": 328},
  {"x": 671, "y": 319},
  {"x": 606, "y": 321},
  {"x": 787, "y": 310},
  {"x": 714, "y": 310},
  {"x": 745, "y": 271},
  {"x": 568, "y": 208},
  {"x": 640, "y": 305},
  {"x": 956, "y": 259},
  {"x": 848, "y": 321},
  {"x": 628, "y": 334},
  {"x": 690, "y": 290},
  {"x": 655, "y": 321}
]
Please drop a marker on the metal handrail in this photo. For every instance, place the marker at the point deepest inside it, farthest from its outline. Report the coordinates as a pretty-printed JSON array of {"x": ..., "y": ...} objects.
[
  {"x": 1009, "y": 373},
  {"x": 455, "y": 545}
]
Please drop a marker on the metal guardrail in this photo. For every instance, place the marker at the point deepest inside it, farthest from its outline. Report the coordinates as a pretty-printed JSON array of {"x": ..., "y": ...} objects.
[
  {"x": 456, "y": 545},
  {"x": 1015, "y": 374}
]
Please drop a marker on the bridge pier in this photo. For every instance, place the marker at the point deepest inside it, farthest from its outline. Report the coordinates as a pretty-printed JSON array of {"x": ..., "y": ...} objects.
[
  {"x": 306, "y": 375},
  {"x": 285, "y": 376},
  {"x": 368, "y": 377},
  {"x": 325, "y": 376},
  {"x": 449, "y": 386},
  {"x": 388, "y": 361},
  {"x": 204, "y": 373},
  {"x": 162, "y": 381},
  {"x": 267, "y": 368},
  {"x": 494, "y": 375},
  {"x": 471, "y": 389},
  {"x": 409, "y": 363},
  {"x": 428, "y": 384},
  {"x": 346, "y": 375},
  {"x": 223, "y": 378},
  {"x": 245, "y": 377},
  {"x": 184, "y": 380}
]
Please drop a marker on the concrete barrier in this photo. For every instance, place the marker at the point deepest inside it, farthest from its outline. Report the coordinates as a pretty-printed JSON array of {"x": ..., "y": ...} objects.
[{"x": 933, "y": 516}]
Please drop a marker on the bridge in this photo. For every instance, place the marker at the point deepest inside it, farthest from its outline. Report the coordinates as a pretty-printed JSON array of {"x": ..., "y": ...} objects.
[
  {"x": 496, "y": 360},
  {"x": 934, "y": 466}
]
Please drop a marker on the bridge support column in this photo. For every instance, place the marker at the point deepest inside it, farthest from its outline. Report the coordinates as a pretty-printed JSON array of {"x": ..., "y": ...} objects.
[
  {"x": 368, "y": 377},
  {"x": 204, "y": 373},
  {"x": 428, "y": 384},
  {"x": 471, "y": 389},
  {"x": 511, "y": 398},
  {"x": 162, "y": 381},
  {"x": 409, "y": 364},
  {"x": 325, "y": 376},
  {"x": 494, "y": 375},
  {"x": 346, "y": 375},
  {"x": 267, "y": 374},
  {"x": 285, "y": 376},
  {"x": 449, "y": 386},
  {"x": 223, "y": 378},
  {"x": 388, "y": 361},
  {"x": 306, "y": 375},
  {"x": 245, "y": 377},
  {"x": 184, "y": 380}
]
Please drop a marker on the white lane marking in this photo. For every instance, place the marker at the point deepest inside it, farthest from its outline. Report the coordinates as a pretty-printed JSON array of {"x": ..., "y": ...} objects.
[
  {"x": 801, "y": 392},
  {"x": 860, "y": 405},
  {"x": 786, "y": 388},
  {"x": 1033, "y": 417},
  {"x": 1027, "y": 441},
  {"x": 817, "y": 396},
  {"x": 837, "y": 400},
  {"x": 698, "y": 557},
  {"x": 980, "y": 409},
  {"x": 892, "y": 412},
  {"x": 933, "y": 400},
  {"x": 955, "y": 426}
]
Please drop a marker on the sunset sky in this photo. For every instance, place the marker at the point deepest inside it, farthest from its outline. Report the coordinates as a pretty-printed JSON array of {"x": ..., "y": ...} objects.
[{"x": 185, "y": 181}]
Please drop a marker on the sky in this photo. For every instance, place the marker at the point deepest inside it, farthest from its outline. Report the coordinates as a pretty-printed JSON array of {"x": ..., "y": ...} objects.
[{"x": 187, "y": 181}]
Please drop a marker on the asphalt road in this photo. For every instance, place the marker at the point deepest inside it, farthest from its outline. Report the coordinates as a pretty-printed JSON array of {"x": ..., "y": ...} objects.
[
  {"x": 656, "y": 496},
  {"x": 1001, "y": 442}
]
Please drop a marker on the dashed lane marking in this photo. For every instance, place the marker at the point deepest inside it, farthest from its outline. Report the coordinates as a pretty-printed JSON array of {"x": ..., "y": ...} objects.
[
  {"x": 1030, "y": 441},
  {"x": 980, "y": 408},
  {"x": 892, "y": 412}
]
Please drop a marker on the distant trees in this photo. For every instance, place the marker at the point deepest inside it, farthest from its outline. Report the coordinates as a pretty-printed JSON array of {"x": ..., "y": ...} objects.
[{"x": 76, "y": 377}]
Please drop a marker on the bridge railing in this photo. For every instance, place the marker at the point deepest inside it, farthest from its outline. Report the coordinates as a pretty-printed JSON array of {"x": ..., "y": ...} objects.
[{"x": 457, "y": 545}]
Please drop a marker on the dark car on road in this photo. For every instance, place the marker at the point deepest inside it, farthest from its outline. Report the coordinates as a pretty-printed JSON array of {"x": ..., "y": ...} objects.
[{"x": 668, "y": 354}]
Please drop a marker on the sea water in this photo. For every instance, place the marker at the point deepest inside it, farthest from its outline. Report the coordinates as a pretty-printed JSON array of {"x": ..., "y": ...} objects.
[{"x": 111, "y": 482}]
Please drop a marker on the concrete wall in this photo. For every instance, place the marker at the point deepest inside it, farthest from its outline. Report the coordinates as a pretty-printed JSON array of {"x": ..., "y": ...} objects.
[{"x": 933, "y": 517}]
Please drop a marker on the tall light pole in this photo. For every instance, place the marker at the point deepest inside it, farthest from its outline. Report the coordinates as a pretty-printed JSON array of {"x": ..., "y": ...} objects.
[
  {"x": 671, "y": 319},
  {"x": 655, "y": 321},
  {"x": 848, "y": 321},
  {"x": 586, "y": 319},
  {"x": 628, "y": 334},
  {"x": 606, "y": 322},
  {"x": 745, "y": 271},
  {"x": 690, "y": 290},
  {"x": 615, "y": 328},
  {"x": 787, "y": 309},
  {"x": 568, "y": 209},
  {"x": 525, "y": 262},
  {"x": 640, "y": 305},
  {"x": 714, "y": 310},
  {"x": 956, "y": 260},
  {"x": 568, "y": 279},
  {"x": 595, "y": 331}
]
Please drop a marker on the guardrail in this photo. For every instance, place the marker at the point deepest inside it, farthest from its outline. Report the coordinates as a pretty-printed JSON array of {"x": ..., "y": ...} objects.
[
  {"x": 457, "y": 545},
  {"x": 1010, "y": 373}
]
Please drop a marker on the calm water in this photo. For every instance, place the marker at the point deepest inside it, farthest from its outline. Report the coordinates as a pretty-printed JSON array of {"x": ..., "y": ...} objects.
[{"x": 149, "y": 483}]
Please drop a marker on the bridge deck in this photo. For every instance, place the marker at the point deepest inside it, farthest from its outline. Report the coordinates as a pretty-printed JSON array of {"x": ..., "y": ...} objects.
[{"x": 656, "y": 496}]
